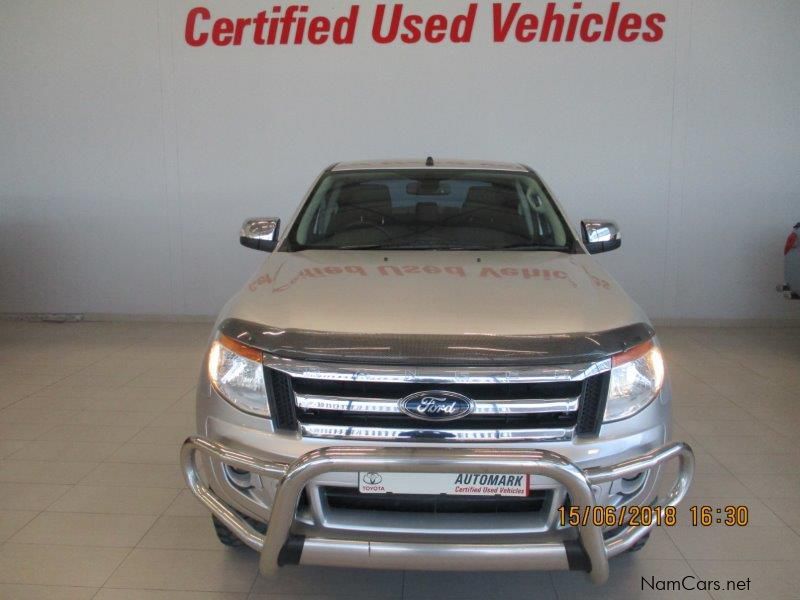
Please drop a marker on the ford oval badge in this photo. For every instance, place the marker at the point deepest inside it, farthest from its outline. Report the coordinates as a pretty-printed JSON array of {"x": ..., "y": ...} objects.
[{"x": 437, "y": 406}]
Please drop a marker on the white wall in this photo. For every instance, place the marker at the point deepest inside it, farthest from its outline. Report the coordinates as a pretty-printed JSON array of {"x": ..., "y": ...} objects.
[{"x": 129, "y": 159}]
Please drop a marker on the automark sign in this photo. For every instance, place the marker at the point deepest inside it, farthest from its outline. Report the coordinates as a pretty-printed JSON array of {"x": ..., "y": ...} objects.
[{"x": 451, "y": 484}]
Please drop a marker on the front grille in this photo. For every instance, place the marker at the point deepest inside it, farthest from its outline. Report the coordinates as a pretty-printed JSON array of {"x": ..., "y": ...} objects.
[
  {"x": 504, "y": 411},
  {"x": 343, "y": 498}
]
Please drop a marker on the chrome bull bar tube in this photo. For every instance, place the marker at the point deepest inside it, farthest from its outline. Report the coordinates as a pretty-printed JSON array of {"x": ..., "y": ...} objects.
[
  {"x": 191, "y": 474},
  {"x": 626, "y": 538},
  {"x": 590, "y": 552}
]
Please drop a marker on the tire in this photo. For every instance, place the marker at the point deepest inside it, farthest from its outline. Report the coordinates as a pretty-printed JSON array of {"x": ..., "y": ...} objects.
[
  {"x": 225, "y": 535},
  {"x": 228, "y": 538},
  {"x": 639, "y": 544}
]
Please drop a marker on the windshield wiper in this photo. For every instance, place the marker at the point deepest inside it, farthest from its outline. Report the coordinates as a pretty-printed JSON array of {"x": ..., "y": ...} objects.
[
  {"x": 354, "y": 247},
  {"x": 394, "y": 247},
  {"x": 382, "y": 247},
  {"x": 357, "y": 247},
  {"x": 532, "y": 247}
]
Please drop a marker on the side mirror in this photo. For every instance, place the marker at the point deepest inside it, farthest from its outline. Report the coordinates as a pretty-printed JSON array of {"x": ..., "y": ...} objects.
[
  {"x": 260, "y": 234},
  {"x": 600, "y": 236}
]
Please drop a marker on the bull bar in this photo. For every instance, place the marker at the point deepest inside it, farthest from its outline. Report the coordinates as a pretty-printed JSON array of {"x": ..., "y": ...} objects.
[{"x": 589, "y": 552}]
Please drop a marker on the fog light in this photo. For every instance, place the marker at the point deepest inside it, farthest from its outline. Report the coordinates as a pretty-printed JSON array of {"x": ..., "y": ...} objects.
[
  {"x": 631, "y": 485},
  {"x": 243, "y": 480}
]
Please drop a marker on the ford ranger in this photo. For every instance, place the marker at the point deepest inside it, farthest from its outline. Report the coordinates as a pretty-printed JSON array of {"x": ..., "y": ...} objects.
[{"x": 430, "y": 371}]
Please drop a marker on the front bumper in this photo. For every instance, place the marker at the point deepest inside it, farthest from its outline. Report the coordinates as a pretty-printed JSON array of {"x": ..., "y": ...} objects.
[{"x": 589, "y": 551}]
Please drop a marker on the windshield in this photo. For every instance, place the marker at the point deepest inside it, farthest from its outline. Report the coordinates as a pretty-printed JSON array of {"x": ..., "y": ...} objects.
[{"x": 430, "y": 210}]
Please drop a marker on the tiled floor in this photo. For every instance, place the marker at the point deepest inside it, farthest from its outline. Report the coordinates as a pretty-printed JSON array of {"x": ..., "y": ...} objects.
[{"x": 92, "y": 503}]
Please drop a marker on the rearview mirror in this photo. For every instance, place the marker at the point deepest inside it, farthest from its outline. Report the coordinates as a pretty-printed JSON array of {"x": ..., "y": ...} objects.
[
  {"x": 260, "y": 234},
  {"x": 600, "y": 236}
]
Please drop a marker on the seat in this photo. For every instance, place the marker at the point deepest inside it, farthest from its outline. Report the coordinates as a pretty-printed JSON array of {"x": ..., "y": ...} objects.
[
  {"x": 426, "y": 212},
  {"x": 362, "y": 203},
  {"x": 494, "y": 207}
]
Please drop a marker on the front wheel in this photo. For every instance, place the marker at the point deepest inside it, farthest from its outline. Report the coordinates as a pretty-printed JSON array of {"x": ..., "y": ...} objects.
[
  {"x": 639, "y": 544},
  {"x": 228, "y": 538}
]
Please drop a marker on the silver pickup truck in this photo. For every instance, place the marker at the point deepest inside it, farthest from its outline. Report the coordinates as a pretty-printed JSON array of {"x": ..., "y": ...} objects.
[{"x": 431, "y": 372}]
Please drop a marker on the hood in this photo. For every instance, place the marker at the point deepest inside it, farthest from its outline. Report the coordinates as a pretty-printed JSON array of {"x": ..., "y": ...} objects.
[{"x": 434, "y": 293}]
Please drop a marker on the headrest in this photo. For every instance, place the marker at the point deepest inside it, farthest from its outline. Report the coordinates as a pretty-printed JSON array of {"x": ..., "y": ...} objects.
[
  {"x": 489, "y": 195},
  {"x": 374, "y": 196}
]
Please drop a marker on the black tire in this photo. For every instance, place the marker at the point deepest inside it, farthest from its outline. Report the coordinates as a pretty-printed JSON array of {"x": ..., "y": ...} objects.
[
  {"x": 639, "y": 544},
  {"x": 227, "y": 537}
]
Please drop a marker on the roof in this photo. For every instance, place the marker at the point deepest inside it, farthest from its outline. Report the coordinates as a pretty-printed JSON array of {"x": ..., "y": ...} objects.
[{"x": 485, "y": 165}]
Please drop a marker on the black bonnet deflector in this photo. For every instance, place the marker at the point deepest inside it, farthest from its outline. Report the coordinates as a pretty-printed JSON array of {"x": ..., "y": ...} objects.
[{"x": 437, "y": 350}]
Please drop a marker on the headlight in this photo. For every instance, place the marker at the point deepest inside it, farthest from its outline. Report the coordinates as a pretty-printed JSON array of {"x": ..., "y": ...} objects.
[
  {"x": 636, "y": 378},
  {"x": 237, "y": 374}
]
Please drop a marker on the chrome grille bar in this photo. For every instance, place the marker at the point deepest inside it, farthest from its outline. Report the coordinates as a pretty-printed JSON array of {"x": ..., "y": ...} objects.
[
  {"x": 434, "y": 435},
  {"x": 400, "y": 374},
  {"x": 388, "y": 406}
]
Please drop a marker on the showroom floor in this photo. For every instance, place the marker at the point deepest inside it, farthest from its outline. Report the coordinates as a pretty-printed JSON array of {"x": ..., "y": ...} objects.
[{"x": 92, "y": 503}]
